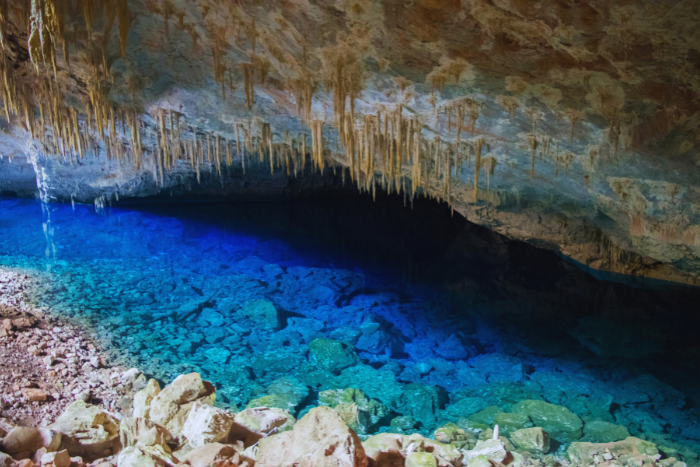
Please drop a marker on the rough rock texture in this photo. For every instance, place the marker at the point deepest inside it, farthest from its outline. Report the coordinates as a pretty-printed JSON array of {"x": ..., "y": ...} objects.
[
  {"x": 572, "y": 127},
  {"x": 319, "y": 439},
  {"x": 87, "y": 431}
]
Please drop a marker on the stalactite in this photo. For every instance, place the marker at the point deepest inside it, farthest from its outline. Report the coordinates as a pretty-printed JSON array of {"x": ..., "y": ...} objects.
[
  {"x": 248, "y": 76},
  {"x": 477, "y": 167}
]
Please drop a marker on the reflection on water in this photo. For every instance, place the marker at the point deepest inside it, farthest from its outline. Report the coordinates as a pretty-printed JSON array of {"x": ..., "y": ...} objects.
[{"x": 434, "y": 319}]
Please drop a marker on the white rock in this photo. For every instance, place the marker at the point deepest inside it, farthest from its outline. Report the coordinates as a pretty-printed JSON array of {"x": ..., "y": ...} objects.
[{"x": 206, "y": 424}]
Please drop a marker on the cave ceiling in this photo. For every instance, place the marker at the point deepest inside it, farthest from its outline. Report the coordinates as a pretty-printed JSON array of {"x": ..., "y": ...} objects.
[{"x": 578, "y": 120}]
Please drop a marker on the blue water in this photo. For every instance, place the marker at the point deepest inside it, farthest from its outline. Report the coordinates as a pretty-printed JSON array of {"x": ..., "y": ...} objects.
[{"x": 421, "y": 297}]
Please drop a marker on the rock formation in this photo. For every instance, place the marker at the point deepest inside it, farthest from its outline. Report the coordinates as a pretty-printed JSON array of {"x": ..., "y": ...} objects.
[{"x": 581, "y": 117}]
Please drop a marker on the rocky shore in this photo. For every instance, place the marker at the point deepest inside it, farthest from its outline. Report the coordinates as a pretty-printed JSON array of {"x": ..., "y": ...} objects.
[{"x": 63, "y": 405}]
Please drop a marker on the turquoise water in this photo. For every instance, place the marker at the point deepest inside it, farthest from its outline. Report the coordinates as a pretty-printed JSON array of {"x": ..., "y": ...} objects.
[{"x": 437, "y": 320}]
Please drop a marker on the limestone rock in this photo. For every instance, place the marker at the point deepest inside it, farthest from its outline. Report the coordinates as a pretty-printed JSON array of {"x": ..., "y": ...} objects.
[
  {"x": 510, "y": 422},
  {"x": 29, "y": 439},
  {"x": 479, "y": 461},
  {"x": 561, "y": 424},
  {"x": 145, "y": 456},
  {"x": 172, "y": 405},
  {"x": 319, "y": 439},
  {"x": 451, "y": 433},
  {"x": 143, "y": 399},
  {"x": 56, "y": 459},
  {"x": 333, "y": 355},
  {"x": 263, "y": 313},
  {"x": 250, "y": 425},
  {"x": 421, "y": 459},
  {"x": 213, "y": 455},
  {"x": 604, "y": 432},
  {"x": 356, "y": 409},
  {"x": 534, "y": 440},
  {"x": 582, "y": 453},
  {"x": 385, "y": 446},
  {"x": 492, "y": 449},
  {"x": 280, "y": 401},
  {"x": 133, "y": 431},
  {"x": 5, "y": 460},
  {"x": 88, "y": 431},
  {"x": 422, "y": 403},
  {"x": 206, "y": 424}
]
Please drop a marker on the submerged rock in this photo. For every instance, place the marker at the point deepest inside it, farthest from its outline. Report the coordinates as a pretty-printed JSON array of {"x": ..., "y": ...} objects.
[
  {"x": 586, "y": 453},
  {"x": 319, "y": 439},
  {"x": 603, "y": 432},
  {"x": 333, "y": 355},
  {"x": 534, "y": 440},
  {"x": 359, "y": 412},
  {"x": 263, "y": 313},
  {"x": 422, "y": 403},
  {"x": 558, "y": 421}
]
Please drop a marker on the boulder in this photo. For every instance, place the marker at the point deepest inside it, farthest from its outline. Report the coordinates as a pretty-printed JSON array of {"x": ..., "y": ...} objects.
[
  {"x": 451, "y": 433},
  {"x": 213, "y": 455},
  {"x": 510, "y": 422},
  {"x": 172, "y": 405},
  {"x": 145, "y": 456},
  {"x": 88, "y": 431},
  {"x": 359, "y": 412},
  {"x": 143, "y": 399},
  {"x": 388, "y": 448},
  {"x": 319, "y": 439},
  {"x": 22, "y": 439},
  {"x": 250, "y": 425},
  {"x": 421, "y": 459},
  {"x": 422, "y": 403},
  {"x": 583, "y": 453},
  {"x": 263, "y": 313},
  {"x": 534, "y": 440},
  {"x": 206, "y": 424},
  {"x": 333, "y": 355},
  {"x": 479, "y": 461},
  {"x": 492, "y": 449},
  {"x": 561, "y": 424},
  {"x": 5, "y": 460},
  {"x": 56, "y": 459},
  {"x": 144, "y": 432},
  {"x": 463, "y": 408},
  {"x": 598, "y": 431}
]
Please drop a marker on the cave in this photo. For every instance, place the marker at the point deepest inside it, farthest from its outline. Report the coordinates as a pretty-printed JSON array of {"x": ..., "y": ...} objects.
[{"x": 350, "y": 233}]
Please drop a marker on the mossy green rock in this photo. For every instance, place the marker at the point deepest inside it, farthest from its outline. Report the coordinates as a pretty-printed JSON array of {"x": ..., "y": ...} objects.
[
  {"x": 451, "y": 433},
  {"x": 603, "y": 432},
  {"x": 582, "y": 453},
  {"x": 332, "y": 355},
  {"x": 421, "y": 459},
  {"x": 463, "y": 408},
  {"x": 422, "y": 403},
  {"x": 534, "y": 440},
  {"x": 370, "y": 411},
  {"x": 561, "y": 424},
  {"x": 510, "y": 422},
  {"x": 280, "y": 401},
  {"x": 403, "y": 423},
  {"x": 479, "y": 461},
  {"x": 486, "y": 416}
]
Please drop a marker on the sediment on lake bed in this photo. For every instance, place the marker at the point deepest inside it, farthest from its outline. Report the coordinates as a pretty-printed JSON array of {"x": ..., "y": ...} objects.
[{"x": 64, "y": 404}]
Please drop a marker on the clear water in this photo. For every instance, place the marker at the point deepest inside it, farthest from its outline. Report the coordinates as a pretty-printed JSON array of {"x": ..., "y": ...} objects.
[{"x": 447, "y": 319}]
